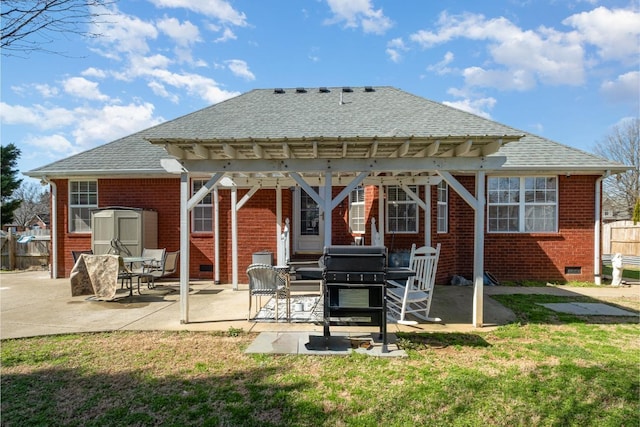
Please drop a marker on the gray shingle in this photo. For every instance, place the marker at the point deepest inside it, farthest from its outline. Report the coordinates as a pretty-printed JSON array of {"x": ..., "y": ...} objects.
[{"x": 262, "y": 114}]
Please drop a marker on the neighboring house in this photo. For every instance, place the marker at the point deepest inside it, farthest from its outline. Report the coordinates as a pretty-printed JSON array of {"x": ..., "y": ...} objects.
[
  {"x": 613, "y": 210},
  {"x": 39, "y": 222},
  {"x": 231, "y": 179}
]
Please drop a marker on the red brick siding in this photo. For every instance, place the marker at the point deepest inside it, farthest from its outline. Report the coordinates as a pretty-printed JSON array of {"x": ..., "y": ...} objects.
[{"x": 514, "y": 256}]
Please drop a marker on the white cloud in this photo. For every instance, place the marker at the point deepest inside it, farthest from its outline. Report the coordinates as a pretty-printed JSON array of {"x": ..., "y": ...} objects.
[
  {"x": 17, "y": 114},
  {"x": 503, "y": 79},
  {"x": 112, "y": 122},
  {"x": 46, "y": 91},
  {"x": 123, "y": 33},
  {"x": 218, "y": 9},
  {"x": 83, "y": 88},
  {"x": 240, "y": 68},
  {"x": 624, "y": 89},
  {"x": 356, "y": 13},
  {"x": 614, "y": 32},
  {"x": 395, "y": 47},
  {"x": 227, "y": 34},
  {"x": 543, "y": 55},
  {"x": 42, "y": 117},
  {"x": 160, "y": 90},
  {"x": 442, "y": 66},
  {"x": 51, "y": 143},
  {"x": 477, "y": 106},
  {"x": 184, "y": 34},
  {"x": 94, "y": 72},
  {"x": 195, "y": 85}
]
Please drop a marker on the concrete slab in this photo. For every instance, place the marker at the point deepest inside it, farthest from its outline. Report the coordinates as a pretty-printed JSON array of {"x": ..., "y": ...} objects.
[
  {"x": 588, "y": 309},
  {"x": 311, "y": 343},
  {"x": 32, "y": 304}
]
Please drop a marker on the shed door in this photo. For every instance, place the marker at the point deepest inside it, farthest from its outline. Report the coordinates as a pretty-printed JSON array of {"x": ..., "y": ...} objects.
[{"x": 308, "y": 223}]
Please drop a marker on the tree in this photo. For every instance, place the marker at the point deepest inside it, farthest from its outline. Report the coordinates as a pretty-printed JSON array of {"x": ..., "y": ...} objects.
[
  {"x": 9, "y": 159},
  {"x": 623, "y": 145},
  {"x": 30, "y": 25},
  {"x": 35, "y": 201}
]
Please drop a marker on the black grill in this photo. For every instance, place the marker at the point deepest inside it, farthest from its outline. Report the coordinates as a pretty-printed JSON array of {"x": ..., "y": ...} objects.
[{"x": 354, "y": 287}]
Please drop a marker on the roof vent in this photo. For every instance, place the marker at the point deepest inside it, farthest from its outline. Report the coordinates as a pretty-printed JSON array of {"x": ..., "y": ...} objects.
[
  {"x": 278, "y": 90},
  {"x": 301, "y": 90},
  {"x": 324, "y": 90},
  {"x": 347, "y": 89},
  {"x": 369, "y": 89}
]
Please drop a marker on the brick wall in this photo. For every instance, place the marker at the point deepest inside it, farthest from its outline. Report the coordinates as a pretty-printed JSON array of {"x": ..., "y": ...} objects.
[
  {"x": 513, "y": 256},
  {"x": 532, "y": 256}
]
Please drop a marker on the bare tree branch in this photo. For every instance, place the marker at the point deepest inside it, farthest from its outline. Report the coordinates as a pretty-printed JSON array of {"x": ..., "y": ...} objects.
[
  {"x": 30, "y": 25},
  {"x": 35, "y": 201},
  {"x": 623, "y": 145}
]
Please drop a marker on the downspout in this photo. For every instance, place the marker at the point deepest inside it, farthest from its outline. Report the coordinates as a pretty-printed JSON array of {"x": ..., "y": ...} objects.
[
  {"x": 54, "y": 227},
  {"x": 597, "y": 233}
]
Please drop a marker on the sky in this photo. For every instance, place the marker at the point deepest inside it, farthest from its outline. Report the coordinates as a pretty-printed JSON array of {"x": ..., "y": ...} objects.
[{"x": 567, "y": 70}]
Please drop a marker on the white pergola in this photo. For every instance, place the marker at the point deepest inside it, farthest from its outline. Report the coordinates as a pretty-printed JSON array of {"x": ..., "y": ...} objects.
[{"x": 327, "y": 162}]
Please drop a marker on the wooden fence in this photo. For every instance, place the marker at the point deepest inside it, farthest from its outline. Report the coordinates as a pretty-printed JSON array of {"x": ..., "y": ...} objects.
[
  {"x": 27, "y": 250},
  {"x": 621, "y": 237}
]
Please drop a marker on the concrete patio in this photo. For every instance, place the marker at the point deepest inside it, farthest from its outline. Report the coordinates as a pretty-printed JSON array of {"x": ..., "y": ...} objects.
[{"x": 32, "y": 304}]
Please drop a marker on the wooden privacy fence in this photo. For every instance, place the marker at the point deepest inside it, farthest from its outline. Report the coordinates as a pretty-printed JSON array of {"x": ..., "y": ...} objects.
[
  {"x": 621, "y": 237},
  {"x": 30, "y": 249}
]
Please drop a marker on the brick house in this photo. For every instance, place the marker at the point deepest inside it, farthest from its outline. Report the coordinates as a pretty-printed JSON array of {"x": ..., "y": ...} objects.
[{"x": 258, "y": 172}]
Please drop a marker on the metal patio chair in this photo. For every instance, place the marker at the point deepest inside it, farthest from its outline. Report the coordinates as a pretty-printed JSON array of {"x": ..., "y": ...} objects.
[{"x": 264, "y": 279}]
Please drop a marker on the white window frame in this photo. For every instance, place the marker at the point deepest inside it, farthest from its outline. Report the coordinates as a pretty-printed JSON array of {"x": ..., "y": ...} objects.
[
  {"x": 82, "y": 200},
  {"x": 356, "y": 210},
  {"x": 442, "y": 208},
  {"x": 408, "y": 202},
  {"x": 204, "y": 205},
  {"x": 526, "y": 197}
]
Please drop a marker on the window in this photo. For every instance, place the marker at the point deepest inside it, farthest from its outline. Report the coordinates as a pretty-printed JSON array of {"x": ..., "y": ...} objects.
[
  {"x": 356, "y": 210},
  {"x": 83, "y": 197},
  {"x": 202, "y": 213},
  {"x": 402, "y": 211},
  {"x": 522, "y": 204},
  {"x": 443, "y": 208}
]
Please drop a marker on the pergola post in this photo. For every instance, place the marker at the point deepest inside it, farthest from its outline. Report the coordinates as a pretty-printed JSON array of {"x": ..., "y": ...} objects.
[
  {"x": 184, "y": 248},
  {"x": 478, "y": 252},
  {"x": 327, "y": 211}
]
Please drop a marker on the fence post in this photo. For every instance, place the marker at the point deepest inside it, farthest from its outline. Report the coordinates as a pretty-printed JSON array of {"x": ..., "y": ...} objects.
[{"x": 12, "y": 250}]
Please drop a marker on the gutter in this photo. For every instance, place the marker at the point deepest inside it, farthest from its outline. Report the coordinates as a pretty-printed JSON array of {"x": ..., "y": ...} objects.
[
  {"x": 597, "y": 233},
  {"x": 54, "y": 226}
]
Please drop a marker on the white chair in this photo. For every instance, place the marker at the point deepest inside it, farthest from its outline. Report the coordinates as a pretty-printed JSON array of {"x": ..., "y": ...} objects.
[
  {"x": 266, "y": 280},
  {"x": 414, "y": 296}
]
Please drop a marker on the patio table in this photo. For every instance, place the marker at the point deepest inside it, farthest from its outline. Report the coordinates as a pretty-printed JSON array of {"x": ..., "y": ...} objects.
[{"x": 133, "y": 260}]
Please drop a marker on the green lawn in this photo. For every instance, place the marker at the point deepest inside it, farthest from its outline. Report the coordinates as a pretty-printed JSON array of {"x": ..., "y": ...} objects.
[
  {"x": 627, "y": 273},
  {"x": 545, "y": 370}
]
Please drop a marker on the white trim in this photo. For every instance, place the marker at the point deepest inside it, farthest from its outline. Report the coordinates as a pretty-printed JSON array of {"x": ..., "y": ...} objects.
[
  {"x": 71, "y": 206},
  {"x": 184, "y": 248}
]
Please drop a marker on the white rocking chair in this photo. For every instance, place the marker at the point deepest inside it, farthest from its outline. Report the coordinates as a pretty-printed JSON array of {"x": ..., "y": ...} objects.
[{"x": 414, "y": 296}]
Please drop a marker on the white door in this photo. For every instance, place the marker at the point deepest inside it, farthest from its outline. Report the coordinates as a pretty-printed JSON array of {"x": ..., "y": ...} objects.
[{"x": 308, "y": 223}]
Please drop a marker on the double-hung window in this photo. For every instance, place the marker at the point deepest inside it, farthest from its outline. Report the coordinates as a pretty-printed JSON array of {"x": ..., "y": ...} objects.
[
  {"x": 83, "y": 197},
  {"x": 443, "y": 208},
  {"x": 402, "y": 211},
  {"x": 522, "y": 204},
  {"x": 202, "y": 213},
  {"x": 356, "y": 210}
]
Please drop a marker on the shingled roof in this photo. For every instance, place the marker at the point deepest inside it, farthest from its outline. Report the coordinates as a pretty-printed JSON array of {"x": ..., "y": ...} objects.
[{"x": 355, "y": 116}]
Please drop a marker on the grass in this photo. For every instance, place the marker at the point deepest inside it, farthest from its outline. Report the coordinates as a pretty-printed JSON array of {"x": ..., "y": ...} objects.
[
  {"x": 627, "y": 272},
  {"x": 545, "y": 370}
]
